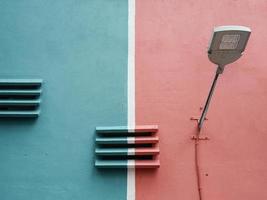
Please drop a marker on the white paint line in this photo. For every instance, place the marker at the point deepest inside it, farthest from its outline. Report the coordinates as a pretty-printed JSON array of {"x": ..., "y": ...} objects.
[
  {"x": 131, "y": 93},
  {"x": 131, "y": 129},
  {"x": 130, "y": 152},
  {"x": 130, "y": 140},
  {"x": 131, "y": 64},
  {"x": 131, "y": 166}
]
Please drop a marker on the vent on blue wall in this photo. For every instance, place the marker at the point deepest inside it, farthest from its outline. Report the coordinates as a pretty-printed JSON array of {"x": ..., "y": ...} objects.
[
  {"x": 20, "y": 98},
  {"x": 122, "y": 147}
]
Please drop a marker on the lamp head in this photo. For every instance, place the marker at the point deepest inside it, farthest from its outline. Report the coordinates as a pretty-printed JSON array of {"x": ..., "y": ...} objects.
[{"x": 227, "y": 44}]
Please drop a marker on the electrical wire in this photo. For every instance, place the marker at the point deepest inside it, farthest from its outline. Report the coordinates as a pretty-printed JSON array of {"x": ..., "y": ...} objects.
[{"x": 197, "y": 166}]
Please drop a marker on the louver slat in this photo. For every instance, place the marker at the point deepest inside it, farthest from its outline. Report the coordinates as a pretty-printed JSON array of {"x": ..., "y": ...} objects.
[
  {"x": 20, "y": 102},
  {"x": 122, "y": 147},
  {"x": 113, "y": 140},
  {"x": 20, "y": 98},
  {"x": 126, "y": 140},
  {"x": 21, "y": 82},
  {"x": 125, "y": 164},
  {"x": 146, "y": 140},
  {"x": 126, "y": 151},
  {"x": 20, "y": 92},
  {"x": 19, "y": 113},
  {"x": 126, "y": 129}
]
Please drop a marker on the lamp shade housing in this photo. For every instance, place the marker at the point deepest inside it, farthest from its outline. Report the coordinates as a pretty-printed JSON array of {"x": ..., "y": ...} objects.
[{"x": 227, "y": 44}]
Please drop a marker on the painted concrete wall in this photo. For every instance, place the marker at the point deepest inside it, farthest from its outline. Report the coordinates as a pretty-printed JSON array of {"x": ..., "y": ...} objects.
[
  {"x": 173, "y": 76},
  {"x": 79, "y": 49}
]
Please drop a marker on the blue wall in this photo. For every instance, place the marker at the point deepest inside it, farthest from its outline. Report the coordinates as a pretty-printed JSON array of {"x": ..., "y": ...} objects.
[{"x": 79, "y": 49}]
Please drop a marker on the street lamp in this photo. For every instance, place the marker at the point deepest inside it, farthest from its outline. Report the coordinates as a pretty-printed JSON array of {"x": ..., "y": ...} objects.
[{"x": 226, "y": 46}]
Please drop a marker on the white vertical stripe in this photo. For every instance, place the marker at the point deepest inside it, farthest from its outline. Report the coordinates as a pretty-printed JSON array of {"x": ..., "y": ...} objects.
[
  {"x": 131, "y": 152},
  {"x": 131, "y": 64},
  {"x": 131, "y": 92},
  {"x": 130, "y": 140}
]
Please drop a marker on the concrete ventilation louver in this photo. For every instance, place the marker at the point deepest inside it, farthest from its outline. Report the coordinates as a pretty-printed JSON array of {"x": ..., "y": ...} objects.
[
  {"x": 123, "y": 147},
  {"x": 20, "y": 98}
]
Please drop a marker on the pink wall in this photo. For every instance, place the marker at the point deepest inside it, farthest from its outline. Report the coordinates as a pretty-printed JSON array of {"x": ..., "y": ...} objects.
[{"x": 173, "y": 76}]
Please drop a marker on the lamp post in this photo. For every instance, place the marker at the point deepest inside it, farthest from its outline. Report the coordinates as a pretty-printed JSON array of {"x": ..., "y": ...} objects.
[{"x": 226, "y": 46}]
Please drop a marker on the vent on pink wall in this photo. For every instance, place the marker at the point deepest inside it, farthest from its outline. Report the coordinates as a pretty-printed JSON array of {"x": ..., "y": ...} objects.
[
  {"x": 123, "y": 147},
  {"x": 20, "y": 98}
]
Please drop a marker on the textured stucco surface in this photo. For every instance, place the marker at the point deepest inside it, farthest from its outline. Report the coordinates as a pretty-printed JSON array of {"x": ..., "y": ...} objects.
[
  {"x": 79, "y": 49},
  {"x": 173, "y": 76}
]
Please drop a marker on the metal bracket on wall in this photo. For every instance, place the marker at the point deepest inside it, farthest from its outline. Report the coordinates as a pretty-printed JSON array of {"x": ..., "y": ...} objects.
[
  {"x": 196, "y": 118},
  {"x": 199, "y": 138}
]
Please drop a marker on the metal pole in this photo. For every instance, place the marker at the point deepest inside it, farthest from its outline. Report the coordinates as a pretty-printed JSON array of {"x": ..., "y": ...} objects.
[{"x": 205, "y": 110}]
